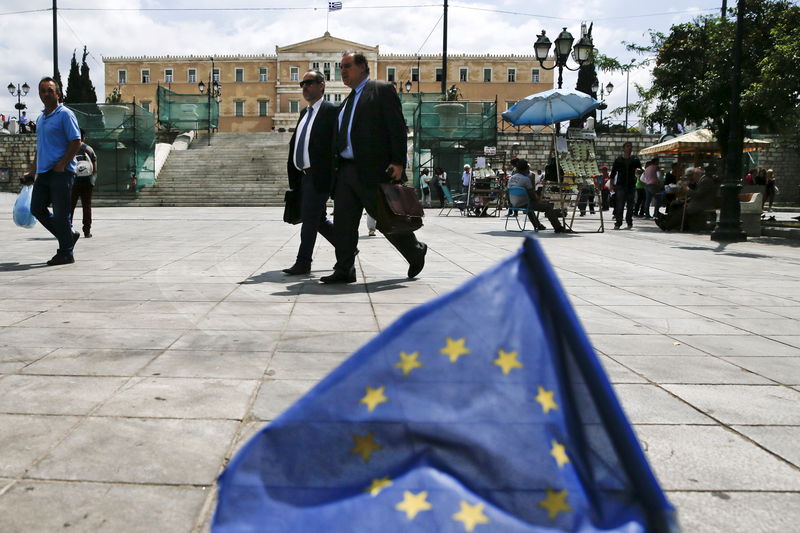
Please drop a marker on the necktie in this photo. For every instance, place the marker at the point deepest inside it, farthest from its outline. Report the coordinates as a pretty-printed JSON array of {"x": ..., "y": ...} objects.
[
  {"x": 299, "y": 147},
  {"x": 341, "y": 142}
]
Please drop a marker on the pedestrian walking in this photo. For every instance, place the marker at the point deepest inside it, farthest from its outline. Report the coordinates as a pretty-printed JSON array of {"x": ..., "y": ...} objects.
[
  {"x": 623, "y": 178},
  {"x": 85, "y": 176}
]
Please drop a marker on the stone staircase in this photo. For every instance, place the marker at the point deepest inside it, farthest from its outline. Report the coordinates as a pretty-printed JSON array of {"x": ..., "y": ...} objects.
[{"x": 237, "y": 169}]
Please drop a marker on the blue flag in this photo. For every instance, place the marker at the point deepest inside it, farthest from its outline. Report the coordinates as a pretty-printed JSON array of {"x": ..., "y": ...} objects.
[
  {"x": 334, "y": 6},
  {"x": 484, "y": 410}
]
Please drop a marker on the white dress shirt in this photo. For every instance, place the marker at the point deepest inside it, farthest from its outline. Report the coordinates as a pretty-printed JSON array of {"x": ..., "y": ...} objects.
[{"x": 300, "y": 126}]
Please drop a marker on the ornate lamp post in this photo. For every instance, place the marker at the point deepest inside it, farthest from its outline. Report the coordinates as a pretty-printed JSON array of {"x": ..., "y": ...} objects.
[
  {"x": 215, "y": 92},
  {"x": 581, "y": 53},
  {"x": 596, "y": 86},
  {"x": 19, "y": 92},
  {"x": 408, "y": 86}
]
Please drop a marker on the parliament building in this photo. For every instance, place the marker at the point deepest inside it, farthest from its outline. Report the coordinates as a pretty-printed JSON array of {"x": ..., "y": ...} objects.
[{"x": 262, "y": 92}]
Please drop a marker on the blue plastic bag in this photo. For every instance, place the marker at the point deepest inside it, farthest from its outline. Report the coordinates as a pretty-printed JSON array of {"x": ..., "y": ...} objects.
[{"x": 22, "y": 208}]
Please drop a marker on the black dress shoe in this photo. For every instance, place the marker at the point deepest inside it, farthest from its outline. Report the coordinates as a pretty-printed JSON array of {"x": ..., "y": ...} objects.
[
  {"x": 297, "y": 269},
  {"x": 61, "y": 259},
  {"x": 340, "y": 277},
  {"x": 87, "y": 234},
  {"x": 416, "y": 266}
]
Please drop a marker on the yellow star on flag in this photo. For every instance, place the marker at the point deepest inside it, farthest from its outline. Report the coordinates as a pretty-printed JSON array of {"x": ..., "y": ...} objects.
[
  {"x": 377, "y": 485},
  {"x": 455, "y": 349},
  {"x": 413, "y": 504},
  {"x": 408, "y": 362},
  {"x": 507, "y": 361},
  {"x": 559, "y": 453},
  {"x": 555, "y": 503},
  {"x": 373, "y": 397},
  {"x": 471, "y": 515},
  {"x": 545, "y": 398},
  {"x": 365, "y": 446}
]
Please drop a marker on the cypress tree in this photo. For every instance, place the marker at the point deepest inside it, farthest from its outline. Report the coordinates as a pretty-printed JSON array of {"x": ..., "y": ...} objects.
[
  {"x": 88, "y": 94},
  {"x": 73, "y": 93}
]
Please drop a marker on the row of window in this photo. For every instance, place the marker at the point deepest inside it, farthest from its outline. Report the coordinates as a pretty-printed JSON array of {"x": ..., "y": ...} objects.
[{"x": 330, "y": 70}]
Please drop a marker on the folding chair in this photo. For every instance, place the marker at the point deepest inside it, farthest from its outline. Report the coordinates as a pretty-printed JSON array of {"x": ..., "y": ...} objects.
[{"x": 524, "y": 210}]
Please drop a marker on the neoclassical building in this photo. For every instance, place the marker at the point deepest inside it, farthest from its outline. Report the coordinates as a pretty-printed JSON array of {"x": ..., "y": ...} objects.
[{"x": 261, "y": 92}]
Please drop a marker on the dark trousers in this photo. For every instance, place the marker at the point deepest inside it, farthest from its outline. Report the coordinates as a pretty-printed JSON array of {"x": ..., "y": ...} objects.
[
  {"x": 54, "y": 188},
  {"x": 605, "y": 193},
  {"x": 313, "y": 216},
  {"x": 549, "y": 212},
  {"x": 352, "y": 197},
  {"x": 586, "y": 197},
  {"x": 624, "y": 202},
  {"x": 82, "y": 189}
]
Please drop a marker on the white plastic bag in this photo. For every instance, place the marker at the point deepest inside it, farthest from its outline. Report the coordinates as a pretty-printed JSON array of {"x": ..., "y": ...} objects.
[{"x": 22, "y": 208}]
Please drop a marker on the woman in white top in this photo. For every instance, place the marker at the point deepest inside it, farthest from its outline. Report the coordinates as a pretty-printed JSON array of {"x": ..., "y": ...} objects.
[{"x": 465, "y": 179}]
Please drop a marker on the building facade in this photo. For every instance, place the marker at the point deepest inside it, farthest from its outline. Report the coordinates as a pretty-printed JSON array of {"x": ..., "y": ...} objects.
[{"x": 262, "y": 92}]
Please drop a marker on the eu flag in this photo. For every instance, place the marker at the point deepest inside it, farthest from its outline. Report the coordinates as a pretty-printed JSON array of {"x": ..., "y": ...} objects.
[{"x": 484, "y": 410}]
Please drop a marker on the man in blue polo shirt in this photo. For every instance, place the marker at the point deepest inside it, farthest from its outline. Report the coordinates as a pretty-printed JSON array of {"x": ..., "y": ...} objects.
[{"x": 58, "y": 139}]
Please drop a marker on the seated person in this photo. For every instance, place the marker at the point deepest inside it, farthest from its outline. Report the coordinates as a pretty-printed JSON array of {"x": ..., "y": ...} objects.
[
  {"x": 700, "y": 194},
  {"x": 521, "y": 178}
]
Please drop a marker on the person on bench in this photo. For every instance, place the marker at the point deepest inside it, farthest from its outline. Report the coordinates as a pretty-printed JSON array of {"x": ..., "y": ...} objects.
[
  {"x": 697, "y": 201},
  {"x": 521, "y": 178}
]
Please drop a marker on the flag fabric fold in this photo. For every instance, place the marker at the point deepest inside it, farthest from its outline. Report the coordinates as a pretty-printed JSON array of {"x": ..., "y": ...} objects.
[
  {"x": 483, "y": 410},
  {"x": 334, "y": 6}
]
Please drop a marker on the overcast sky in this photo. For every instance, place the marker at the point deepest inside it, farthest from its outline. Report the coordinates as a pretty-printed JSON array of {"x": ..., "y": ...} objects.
[{"x": 397, "y": 26}]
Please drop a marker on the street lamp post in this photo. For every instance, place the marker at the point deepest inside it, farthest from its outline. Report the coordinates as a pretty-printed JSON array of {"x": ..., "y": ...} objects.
[
  {"x": 627, "y": 89},
  {"x": 598, "y": 87},
  {"x": 581, "y": 53},
  {"x": 214, "y": 92},
  {"x": 19, "y": 92}
]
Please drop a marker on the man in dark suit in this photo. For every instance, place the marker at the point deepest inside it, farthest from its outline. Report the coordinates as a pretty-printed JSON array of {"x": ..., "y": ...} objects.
[
  {"x": 371, "y": 145},
  {"x": 310, "y": 167}
]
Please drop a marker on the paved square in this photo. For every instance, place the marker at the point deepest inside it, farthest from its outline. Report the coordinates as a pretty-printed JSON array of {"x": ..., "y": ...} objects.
[{"x": 129, "y": 379}]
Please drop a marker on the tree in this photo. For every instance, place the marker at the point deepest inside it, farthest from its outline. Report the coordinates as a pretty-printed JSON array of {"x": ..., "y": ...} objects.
[
  {"x": 587, "y": 76},
  {"x": 88, "y": 93},
  {"x": 73, "y": 93},
  {"x": 693, "y": 65}
]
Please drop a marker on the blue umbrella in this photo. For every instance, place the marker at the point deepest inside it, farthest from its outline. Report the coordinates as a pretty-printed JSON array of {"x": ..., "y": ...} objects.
[{"x": 549, "y": 107}]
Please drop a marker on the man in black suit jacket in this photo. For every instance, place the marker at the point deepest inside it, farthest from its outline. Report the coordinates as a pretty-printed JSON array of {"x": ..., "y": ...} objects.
[
  {"x": 371, "y": 145},
  {"x": 310, "y": 167}
]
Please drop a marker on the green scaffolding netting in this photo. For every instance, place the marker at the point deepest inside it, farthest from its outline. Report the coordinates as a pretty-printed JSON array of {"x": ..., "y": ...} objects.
[
  {"x": 448, "y": 134},
  {"x": 186, "y": 111},
  {"x": 123, "y": 138}
]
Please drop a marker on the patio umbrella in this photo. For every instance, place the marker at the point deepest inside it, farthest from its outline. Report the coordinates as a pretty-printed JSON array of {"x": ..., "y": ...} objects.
[
  {"x": 699, "y": 141},
  {"x": 550, "y": 107}
]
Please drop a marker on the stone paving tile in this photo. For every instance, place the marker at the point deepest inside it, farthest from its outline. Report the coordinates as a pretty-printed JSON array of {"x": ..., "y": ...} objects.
[
  {"x": 181, "y": 398},
  {"x": 648, "y": 404},
  {"x": 780, "y": 440},
  {"x": 140, "y": 450},
  {"x": 754, "y": 512},
  {"x": 8, "y": 318},
  {"x": 55, "y": 395},
  {"x": 231, "y": 340},
  {"x": 731, "y": 311},
  {"x": 689, "y": 369},
  {"x": 617, "y": 373},
  {"x": 253, "y": 308},
  {"x": 641, "y": 345},
  {"x": 764, "y": 326},
  {"x": 100, "y": 508},
  {"x": 23, "y": 438},
  {"x": 85, "y": 362},
  {"x": 88, "y": 338},
  {"x": 208, "y": 364},
  {"x": 304, "y": 366},
  {"x": 688, "y": 326},
  {"x": 13, "y": 358},
  {"x": 341, "y": 323},
  {"x": 745, "y": 345},
  {"x": 712, "y": 458},
  {"x": 784, "y": 370},
  {"x": 93, "y": 321},
  {"x": 788, "y": 312},
  {"x": 743, "y": 404},
  {"x": 648, "y": 311},
  {"x": 275, "y": 396},
  {"x": 790, "y": 340},
  {"x": 323, "y": 342}
]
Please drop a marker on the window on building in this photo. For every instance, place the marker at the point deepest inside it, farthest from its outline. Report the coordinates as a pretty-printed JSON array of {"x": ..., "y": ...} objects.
[
  {"x": 337, "y": 73},
  {"x": 326, "y": 71},
  {"x": 512, "y": 75},
  {"x": 216, "y": 75},
  {"x": 167, "y": 75},
  {"x": 390, "y": 74},
  {"x": 510, "y": 104},
  {"x": 239, "y": 74},
  {"x": 414, "y": 74},
  {"x": 192, "y": 77},
  {"x": 145, "y": 75},
  {"x": 337, "y": 98},
  {"x": 438, "y": 73},
  {"x": 122, "y": 77},
  {"x": 327, "y": 97},
  {"x": 487, "y": 75},
  {"x": 535, "y": 75},
  {"x": 146, "y": 105},
  {"x": 462, "y": 74},
  {"x": 294, "y": 106},
  {"x": 263, "y": 108},
  {"x": 263, "y": 74},
  {"x": 238, "y": 108},
  {"x": 294, "y": 73},
  {"x": 487, "y": 107},
  {"x": 315, "y": 65}
]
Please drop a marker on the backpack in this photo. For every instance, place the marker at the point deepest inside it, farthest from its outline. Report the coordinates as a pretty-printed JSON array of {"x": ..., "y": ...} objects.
[{"x": 84, "y": 166}]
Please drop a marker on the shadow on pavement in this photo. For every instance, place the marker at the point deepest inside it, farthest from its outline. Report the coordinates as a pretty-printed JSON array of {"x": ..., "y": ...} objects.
[{"x": 15, "y": 267}]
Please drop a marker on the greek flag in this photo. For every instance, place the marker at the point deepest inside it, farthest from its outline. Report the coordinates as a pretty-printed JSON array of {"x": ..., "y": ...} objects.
[
  {"x": 334, "y": 6},
  {"x": 485, "y": 411}
]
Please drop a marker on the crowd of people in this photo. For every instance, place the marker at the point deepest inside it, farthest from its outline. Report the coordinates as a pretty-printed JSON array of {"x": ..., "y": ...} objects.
[{"x": 13, "y": 125}]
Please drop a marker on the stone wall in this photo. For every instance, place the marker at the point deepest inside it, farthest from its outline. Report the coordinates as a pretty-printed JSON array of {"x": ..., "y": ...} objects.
[
  {"x": 16, "y": 154},
  {"x": 783, "y": 156}
]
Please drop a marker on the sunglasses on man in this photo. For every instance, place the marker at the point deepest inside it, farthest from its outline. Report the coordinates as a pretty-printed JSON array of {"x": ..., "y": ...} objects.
[{"x": 307, "y": 82}]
